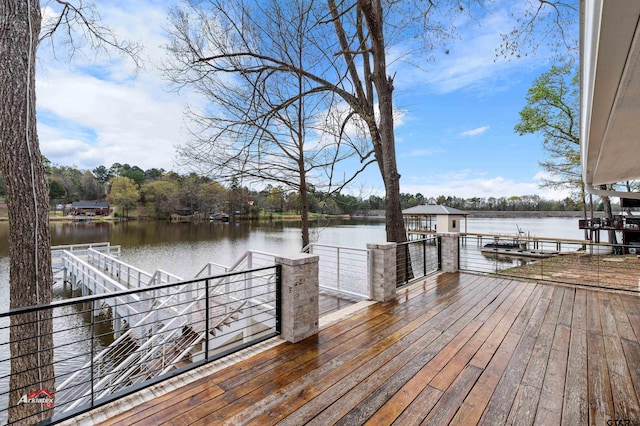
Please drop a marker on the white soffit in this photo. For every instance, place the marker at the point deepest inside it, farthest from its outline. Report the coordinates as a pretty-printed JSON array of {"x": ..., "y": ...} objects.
[{"x": 611, "y": 91}]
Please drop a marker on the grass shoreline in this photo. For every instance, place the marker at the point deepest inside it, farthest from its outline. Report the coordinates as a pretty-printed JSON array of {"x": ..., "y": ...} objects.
[{"x": 296, "y": 217}]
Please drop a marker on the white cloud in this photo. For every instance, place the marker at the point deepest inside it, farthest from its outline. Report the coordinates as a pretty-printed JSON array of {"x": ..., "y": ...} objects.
[
  {"x": 475, "y": 132},
  {"x": 125, "y": 115},
  {"x": 470, "y": 61},
  {"x": 132, "y": 123},
  {"x": 466, "y": 184}
]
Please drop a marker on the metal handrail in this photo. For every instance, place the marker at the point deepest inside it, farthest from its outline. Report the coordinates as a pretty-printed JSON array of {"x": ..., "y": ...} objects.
[
  {"x": 148, "y": 343},
  {"x": 332, "y": 271}
]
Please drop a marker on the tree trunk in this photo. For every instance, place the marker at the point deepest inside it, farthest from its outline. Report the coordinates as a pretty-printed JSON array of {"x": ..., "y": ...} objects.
[
  {"x": 31, "y": 342},
  {"x": 384, "y": 89},
  {"x": 304, "y": 207},
  {"x": 385, "y": 137}
]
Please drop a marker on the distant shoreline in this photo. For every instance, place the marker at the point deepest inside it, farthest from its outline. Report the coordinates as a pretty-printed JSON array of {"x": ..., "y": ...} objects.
[
  {"x": 470, "y": 214},
  {"x": 530, "y": 214}
]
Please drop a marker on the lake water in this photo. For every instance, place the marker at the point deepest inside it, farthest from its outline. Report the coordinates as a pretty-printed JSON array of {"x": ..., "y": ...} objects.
[{"x": 184, "y": 248}]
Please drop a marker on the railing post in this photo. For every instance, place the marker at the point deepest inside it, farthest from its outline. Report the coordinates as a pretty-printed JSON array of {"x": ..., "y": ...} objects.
[
  {"x": 424, "y": 257},
  {"x": 450, "y": 251},
  {"x": 300, "y": 294},
  {"x": 383, "y": 271},
  {"x": 542, "y": 265},
  {"x": 338, "y": 269},
  {"x": 207, "y": 319},
  {"x": 93, "y": 331},
  {"x": 406, "y": 263},
  {"x": 279, "y": 299}
]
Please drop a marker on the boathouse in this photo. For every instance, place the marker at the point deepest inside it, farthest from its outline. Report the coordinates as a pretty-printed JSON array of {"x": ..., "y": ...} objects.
[
  {"x": 427, "y": 219},
  {"x": 90, "y": 208}
]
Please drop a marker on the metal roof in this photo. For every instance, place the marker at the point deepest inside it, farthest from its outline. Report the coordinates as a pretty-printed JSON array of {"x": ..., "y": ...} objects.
[
  {"x": 433, "y": 210},
  {"x": 89, "y": 205},
  {"x": 610, "y": 91}
]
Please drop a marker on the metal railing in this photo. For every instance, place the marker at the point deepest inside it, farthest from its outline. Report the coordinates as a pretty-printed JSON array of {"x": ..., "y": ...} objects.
[
  {"x": 343, "y": 271},
  {"x": 99, "y": 356},
  {"x": 129, "y": 275},
  {"x": 81, "y": 250},
  {"x": 417, "y": 259},
  {"x": 574, "y": 262},
  {"x": 251, "y": 259}
]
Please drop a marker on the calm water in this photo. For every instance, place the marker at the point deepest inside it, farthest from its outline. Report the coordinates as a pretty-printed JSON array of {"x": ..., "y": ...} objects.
[{"x": 183, "y": 248}]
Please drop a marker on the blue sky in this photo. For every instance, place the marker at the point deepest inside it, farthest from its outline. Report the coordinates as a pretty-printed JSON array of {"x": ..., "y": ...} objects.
[{"x": 454, "y": 131}]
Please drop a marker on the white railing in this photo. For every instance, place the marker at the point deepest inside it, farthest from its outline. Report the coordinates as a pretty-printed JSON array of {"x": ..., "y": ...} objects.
[
  {"x": 81, "y": 250},
  {"x": 170, "y": 326},
  {"x": 85, "y": 275},
  {"x": 250, "y": 260},
  {"x": 151, "y": 309},
  {"x": 151, "y": 350},
  {"x": 133, "y": 277},
  {"x": 130, "y": 276},
  {"x": 342, "y": 270}
]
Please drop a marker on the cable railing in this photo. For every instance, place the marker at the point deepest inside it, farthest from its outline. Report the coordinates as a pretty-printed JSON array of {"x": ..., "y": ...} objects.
[
  {"x": 576, "y": 262},
  {"x": 163, "y": 312},
  {"x": 93, "y": 364},
  {"x": 417, "y": 259},
  {"x": 342, "y": 271},
  {"x": 250, "y": 260}
]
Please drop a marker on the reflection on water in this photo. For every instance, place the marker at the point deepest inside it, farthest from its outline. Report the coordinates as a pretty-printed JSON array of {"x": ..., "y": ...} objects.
[{"x": 183, "y": 248}]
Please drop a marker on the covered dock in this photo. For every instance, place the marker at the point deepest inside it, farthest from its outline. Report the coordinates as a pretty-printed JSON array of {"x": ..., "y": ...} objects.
[{"x": 428, "y": 219}]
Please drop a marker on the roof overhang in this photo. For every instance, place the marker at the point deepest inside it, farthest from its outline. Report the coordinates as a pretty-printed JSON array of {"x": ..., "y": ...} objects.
[{"x": 610, "y": 91}]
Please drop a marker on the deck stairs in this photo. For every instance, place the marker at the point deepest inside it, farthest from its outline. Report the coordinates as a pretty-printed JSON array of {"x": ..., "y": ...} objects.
[{"x": 174, "y": 325}]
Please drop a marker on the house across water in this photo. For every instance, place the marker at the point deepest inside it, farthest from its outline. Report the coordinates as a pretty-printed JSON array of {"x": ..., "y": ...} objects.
[{"x": 90, "y": 208}]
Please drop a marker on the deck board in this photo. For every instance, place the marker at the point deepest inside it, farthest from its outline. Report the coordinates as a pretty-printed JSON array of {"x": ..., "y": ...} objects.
[{"x": 457, "y": 348}]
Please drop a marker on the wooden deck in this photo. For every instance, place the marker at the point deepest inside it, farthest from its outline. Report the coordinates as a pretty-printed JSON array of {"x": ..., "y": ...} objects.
[
  {"x": 456, "y": 349},
  {"x": 328, "y": 303}
]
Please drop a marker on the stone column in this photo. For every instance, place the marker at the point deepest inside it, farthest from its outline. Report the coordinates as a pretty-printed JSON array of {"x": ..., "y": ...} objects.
[
  {"x": 300, "y": 311},
  {"x": 450, "y": 251},
  {"x": 382, "y": 271}
]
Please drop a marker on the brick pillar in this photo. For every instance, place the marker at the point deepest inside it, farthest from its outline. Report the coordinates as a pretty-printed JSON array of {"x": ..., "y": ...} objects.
[
  {"x": 382, "y": 271},
  {"x": 300, "y": 311},
  {"x": 450, "y": 251}
]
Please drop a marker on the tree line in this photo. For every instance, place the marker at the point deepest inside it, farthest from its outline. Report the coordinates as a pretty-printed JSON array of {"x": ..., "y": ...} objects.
[{"x": 158, "y": 193}]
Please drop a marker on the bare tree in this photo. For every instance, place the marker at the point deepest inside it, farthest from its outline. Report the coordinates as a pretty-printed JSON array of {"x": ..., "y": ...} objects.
[
  {"x": 543, "y": 23},
  {"x": 21, "y": 164},
  {"x": 274, "y": 47},
  {"x": 267, "y": 124},
  {"x": 352, "y": 38}
]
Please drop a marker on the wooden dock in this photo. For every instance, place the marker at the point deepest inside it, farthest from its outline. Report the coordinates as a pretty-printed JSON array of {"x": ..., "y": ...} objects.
[{"x": 453, "y": 349}]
